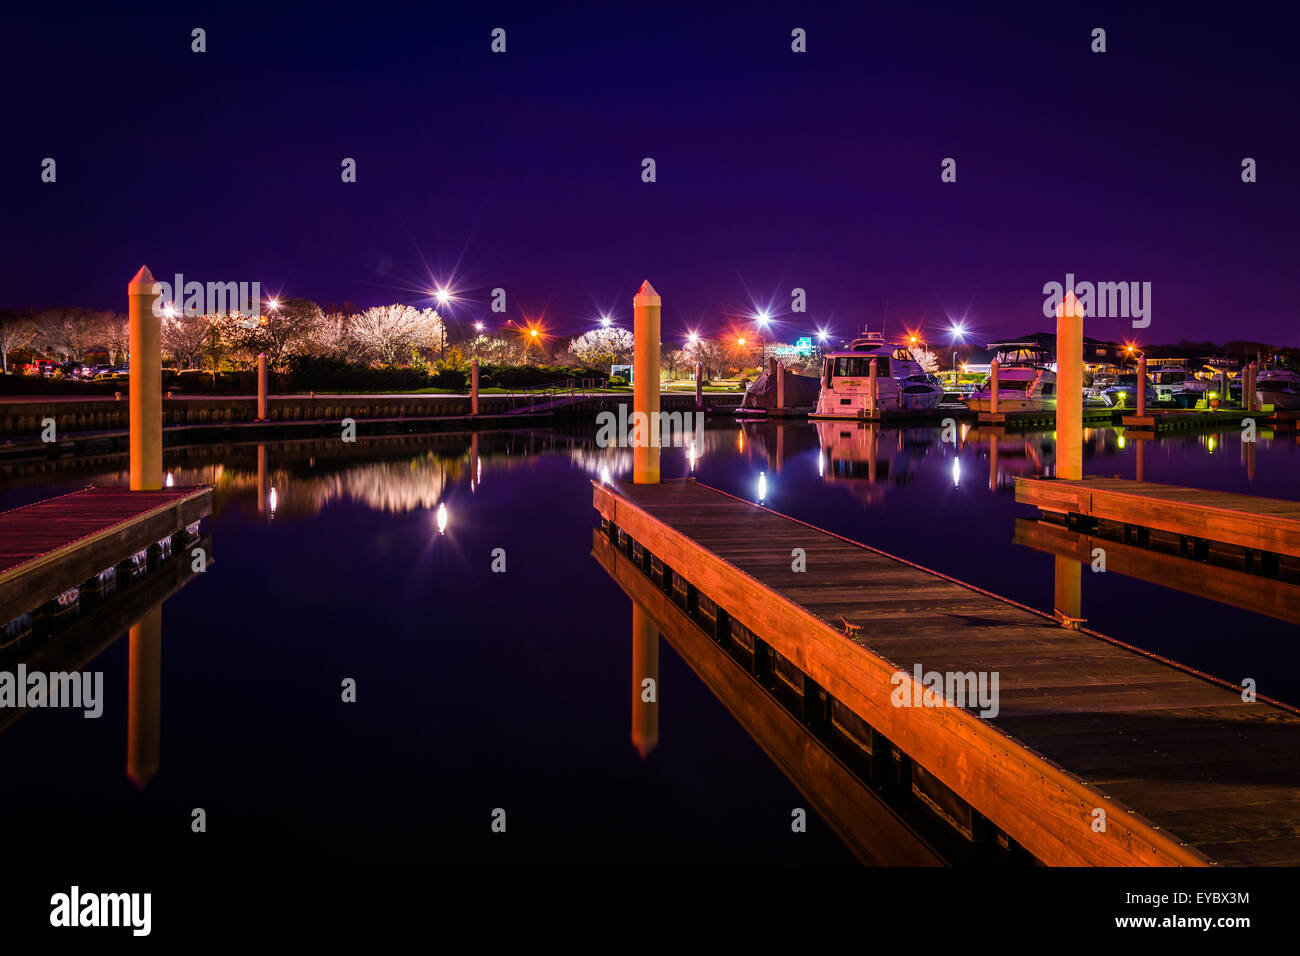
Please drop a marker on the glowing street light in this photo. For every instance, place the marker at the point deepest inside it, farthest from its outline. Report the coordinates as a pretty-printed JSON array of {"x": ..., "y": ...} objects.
[
  {"x": 273, "y": 304},
  {"x": 822, "y": 335},
  {"x": 605, "y": 320},
  {"x": 763, "y": 318},
  {"x": 442, "y": 294},
  {"x": 741, "y": 340},
  {"x": 692, "y": 337},
  {"x": 478, "y": 326}
]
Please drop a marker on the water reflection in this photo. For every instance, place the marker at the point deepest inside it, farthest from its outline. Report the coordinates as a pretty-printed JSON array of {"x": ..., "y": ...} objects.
[{"x": 71, "y": 638}]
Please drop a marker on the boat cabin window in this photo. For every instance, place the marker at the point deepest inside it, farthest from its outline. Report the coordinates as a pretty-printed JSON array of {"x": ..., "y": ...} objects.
[{"x": 853, "y": 366}]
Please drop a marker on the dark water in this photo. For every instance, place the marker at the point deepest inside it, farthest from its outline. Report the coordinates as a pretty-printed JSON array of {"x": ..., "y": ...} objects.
[{"x": 479, "y": 690}]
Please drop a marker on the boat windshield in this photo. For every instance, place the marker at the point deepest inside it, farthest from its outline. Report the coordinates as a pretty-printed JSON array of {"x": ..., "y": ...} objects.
[{"x": 1023, "y": 355}]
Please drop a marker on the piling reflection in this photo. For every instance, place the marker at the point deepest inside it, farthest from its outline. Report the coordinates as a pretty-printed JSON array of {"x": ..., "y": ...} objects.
[
  {"x": 645, "y": 681},
  {"x": 842, "y": 781},
  {"x": 93, "y": 621},
  {"x": 144, "y": 709}
]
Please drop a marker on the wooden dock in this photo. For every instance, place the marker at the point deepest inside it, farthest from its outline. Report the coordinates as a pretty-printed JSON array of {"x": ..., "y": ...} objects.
[
  {"x": 1186, "y": 772},
  {"x": 1177, "y": 419},
  {"x": 57, "y": 544},
  {"x": 1269, "y": 525},
  {"x": 1046, "y": 418}
]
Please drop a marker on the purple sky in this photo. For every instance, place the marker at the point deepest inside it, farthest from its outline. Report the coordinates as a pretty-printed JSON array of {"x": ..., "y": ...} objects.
[{"x": 775, "y": 169}]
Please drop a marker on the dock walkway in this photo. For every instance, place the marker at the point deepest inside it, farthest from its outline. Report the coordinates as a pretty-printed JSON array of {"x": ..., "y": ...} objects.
[
  {"x": 59, "y": 543},
  {"x": 1185, "y": 770},
  {"x": 1259, "y": 524}
]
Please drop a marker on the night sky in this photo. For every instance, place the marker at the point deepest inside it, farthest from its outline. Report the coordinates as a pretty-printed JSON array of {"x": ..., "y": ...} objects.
[{"x": 774, "y": 169}]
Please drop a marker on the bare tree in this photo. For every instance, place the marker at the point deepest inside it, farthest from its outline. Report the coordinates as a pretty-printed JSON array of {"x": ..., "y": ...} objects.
[
  {"x": 113, "y": 332},
  {"x": 185, "y": 337},
  {"x": 16, "y": 332},
  {"x": 708, "y": 353}
]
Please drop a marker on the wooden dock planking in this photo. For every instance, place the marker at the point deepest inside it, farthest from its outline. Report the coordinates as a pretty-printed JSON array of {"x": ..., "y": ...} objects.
[
  {"x": 56, "y": 544},
  {"x": 871, "y": 829},
  {"x": 1068, "y": 698},
  {"x": 1248, "y": 521}
]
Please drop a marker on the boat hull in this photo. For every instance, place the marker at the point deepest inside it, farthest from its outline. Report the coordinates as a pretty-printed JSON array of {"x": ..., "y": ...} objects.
[{"x": 1012, "y": 404}]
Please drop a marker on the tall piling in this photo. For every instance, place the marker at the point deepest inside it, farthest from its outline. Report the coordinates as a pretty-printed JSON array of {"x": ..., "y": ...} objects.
[
  {"x": 1142, "y": 385},
  {"x": 1069, "y": 388},
  {"x": 261, "y": 386},
  {"x": 144, "y": 336},
  {"x": 645, "y": 391},
  {"x": 473, "y": 387}
]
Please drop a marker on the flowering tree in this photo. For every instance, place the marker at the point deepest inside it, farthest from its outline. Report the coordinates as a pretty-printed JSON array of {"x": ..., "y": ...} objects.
[
  {"x": 386, "y": 333},
  {"x": 496, "y": 350},
  {"x": 606, "y": 346},
  {"x": 331, "y": 337},
  {"x": 928, "y": 361}
]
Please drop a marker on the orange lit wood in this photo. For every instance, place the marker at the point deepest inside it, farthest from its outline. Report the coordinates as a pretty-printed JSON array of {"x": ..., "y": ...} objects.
[
  {"x": 1084, "y": 722},
  {"x": 1263, "y": 524},
  {"x": 56, "y": 544}
]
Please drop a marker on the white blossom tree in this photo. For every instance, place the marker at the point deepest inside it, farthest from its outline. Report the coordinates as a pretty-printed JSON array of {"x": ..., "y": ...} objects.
[
  {"x": 605, "y": 346},
  {"x": 387, "y": 333}
]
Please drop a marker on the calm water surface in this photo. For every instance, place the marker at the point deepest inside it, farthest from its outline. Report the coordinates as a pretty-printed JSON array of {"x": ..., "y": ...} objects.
[{"x": 479, "y": 690}]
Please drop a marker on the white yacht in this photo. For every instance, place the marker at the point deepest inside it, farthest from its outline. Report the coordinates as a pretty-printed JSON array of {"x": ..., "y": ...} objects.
[
  {"x": 1178, "y": 385},
  {"x": 1026, "y": 380},
  {"x": 900, "y": 380},
  {"x": 1278, "y": 387}
]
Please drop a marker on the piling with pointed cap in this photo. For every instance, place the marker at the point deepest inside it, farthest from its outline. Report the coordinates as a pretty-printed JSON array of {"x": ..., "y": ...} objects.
[
  {"x": 780, "y": 385},
  {"x": 699, "y": 386},
  {"x": 1069, "y": 388},
  {"x": 1142, "y": 385},
  {"x": 993, "y": 387},
  {"x": 144, "y": 337},
  {"x": 645, "y": 375},
  {"x": 261, "y": 386},
  {"x": 872, "y": 388},
  {"x": 473, "y": 387}
]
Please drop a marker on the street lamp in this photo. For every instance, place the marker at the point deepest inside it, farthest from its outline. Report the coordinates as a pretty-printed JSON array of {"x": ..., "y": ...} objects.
[
  {"x": 958, "y": 331},
  {"x": 605, "y": 321}
]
